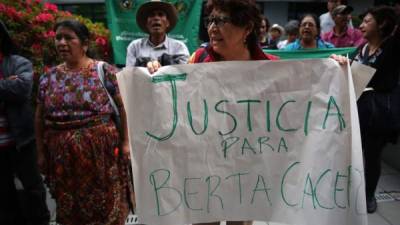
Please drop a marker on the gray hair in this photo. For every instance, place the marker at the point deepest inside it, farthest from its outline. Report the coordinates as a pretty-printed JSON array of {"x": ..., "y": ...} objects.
[{"x": 292, "y": 27}]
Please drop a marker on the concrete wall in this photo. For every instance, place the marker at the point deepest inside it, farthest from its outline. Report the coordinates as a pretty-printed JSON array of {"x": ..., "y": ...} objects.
[
  {"x": 360, "y": 5},
  {"x": 276, "y": 12}
]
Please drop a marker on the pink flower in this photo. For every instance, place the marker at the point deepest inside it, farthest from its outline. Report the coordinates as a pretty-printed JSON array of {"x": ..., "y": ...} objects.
[
  {"x": 28, "y": 10},
  {"x": 36, "y": 48},
  {"x": 50, "y": 7},
  {"x": 11, "y": 12},
  {"x": 46, "y": 69},
  {"x": 49, "y": 34},
  {"x": 101, "y": 41},
  {"x": 44, "y": 17},
  {"x": 3, "y": 8}
]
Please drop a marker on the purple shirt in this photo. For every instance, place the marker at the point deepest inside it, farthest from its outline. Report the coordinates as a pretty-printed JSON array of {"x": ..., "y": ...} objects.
[{"x": 351, "y": 38}]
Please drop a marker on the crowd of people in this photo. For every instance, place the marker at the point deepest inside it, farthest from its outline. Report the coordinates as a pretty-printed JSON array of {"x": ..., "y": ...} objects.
[
  {"x": 333, "y": 29},
  {"x": 77, "y": 136}
]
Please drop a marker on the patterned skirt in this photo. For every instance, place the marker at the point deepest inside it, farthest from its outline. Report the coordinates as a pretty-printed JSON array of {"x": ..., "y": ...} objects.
[{"x": 88, "y": 177}]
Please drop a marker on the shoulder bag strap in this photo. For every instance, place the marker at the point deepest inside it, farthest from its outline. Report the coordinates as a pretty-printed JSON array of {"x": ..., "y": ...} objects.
[{"x": 100, "y": 72}]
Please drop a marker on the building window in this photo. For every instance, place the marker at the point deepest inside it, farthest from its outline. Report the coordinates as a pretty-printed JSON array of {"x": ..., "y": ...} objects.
[{"x": 297, "y": 9}]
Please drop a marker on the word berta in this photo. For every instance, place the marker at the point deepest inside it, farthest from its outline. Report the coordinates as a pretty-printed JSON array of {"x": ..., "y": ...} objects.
[
  {"x": 332, "y": 110},
  {"x": 255, "y": 187}
]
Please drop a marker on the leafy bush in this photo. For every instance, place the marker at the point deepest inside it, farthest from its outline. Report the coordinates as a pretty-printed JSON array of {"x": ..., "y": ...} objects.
[{"x": 31, "y": 23}]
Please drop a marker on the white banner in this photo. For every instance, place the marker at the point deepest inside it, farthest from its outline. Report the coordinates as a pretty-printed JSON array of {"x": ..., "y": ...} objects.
[{"x": 258, "y": 140}]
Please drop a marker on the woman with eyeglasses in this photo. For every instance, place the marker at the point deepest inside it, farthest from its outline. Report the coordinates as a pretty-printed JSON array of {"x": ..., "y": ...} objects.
[
  {"x": 309, "y": 35},
  {"x": 233, "y": 28}
]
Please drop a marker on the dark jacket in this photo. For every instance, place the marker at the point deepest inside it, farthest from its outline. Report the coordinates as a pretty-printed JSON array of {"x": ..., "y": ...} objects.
[
  {"x": 385, "y": 61},
  {"x": 16, "y": 96}
]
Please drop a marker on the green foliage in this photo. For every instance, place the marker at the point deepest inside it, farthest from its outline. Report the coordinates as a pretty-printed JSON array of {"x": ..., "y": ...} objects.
[{"x": 31, "y": 23}]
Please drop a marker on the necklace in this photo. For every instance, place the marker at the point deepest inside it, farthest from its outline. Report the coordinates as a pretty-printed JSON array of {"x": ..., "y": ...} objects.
[
  {"x": 84, "y": 66},
  {"x": 372, "y": 49},
  {"x": 84, "y": 71}
]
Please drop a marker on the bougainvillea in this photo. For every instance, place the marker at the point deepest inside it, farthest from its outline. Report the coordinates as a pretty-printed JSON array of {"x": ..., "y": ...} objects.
[{"x": 31, "y": 22}]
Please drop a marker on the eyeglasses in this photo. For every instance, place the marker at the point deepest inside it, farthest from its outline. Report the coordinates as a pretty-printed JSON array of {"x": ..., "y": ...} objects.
[
  {"x": 218, "y": 21},
  {"x": 307, "y": 24}
]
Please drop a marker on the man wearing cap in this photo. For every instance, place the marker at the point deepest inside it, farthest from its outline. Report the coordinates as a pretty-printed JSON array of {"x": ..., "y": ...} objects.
[
  {"x": 341, "y": 34},
  {"x": 156, "y": 18},
  {"x": 326, "y": 19},
  {"x": 275, "y": 33}
]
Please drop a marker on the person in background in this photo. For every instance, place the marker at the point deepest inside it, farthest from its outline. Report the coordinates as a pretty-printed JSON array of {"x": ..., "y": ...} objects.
[
  {"x": 156, "y": 18},
  {"x": 275, "y": 33},
  {"x": 380, "y": 29},
  {"x": 82, "y": 154},
  {"x": 18, "y": 156},
  {"x": 309, "y": 32},
  {"x": 341, "y": 35},
  {"x": 326, "y": 19},
  {"x": 263, "y": 37},
  {"x": 292, "y": 32}
]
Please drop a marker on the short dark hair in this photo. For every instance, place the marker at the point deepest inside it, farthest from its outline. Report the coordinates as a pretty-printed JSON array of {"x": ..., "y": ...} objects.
[
  {"x": 385, "y": 17},
  {"x": 267, "y": 23},
  {"x": 242, "y": 13},
  {"x": 79, "y": 29},
  {"x": 292, "y": 27},
  {"x": 315, "y": 18},
  {"x": 7, "y": 45}
]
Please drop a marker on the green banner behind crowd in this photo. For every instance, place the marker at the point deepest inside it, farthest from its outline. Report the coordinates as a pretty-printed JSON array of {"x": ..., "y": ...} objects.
[
  {"x": 312, "y": 54},
  {"x": 121, "y": 18}
]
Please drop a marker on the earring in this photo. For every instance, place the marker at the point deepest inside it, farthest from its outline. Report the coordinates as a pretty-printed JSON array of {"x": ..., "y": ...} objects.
[
  {"x": 84, "y": 50},
  {"x": 245, "y": 39}
]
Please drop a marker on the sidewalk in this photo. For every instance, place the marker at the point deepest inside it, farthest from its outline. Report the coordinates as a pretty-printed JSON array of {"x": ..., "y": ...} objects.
[{"x": 388, "y": 196}]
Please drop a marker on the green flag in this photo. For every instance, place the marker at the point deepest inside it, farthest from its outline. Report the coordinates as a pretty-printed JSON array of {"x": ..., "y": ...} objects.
[
  {"x": 312, "y": 54},
  {"x": 121, "y": 19}
]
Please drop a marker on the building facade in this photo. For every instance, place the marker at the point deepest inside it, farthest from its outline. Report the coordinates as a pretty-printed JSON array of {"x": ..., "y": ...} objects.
[{"x": 276, "y": 11}]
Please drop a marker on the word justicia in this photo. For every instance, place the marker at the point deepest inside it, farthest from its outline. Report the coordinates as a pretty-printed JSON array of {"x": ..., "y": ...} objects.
[{"x": 272, "y": 115}]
